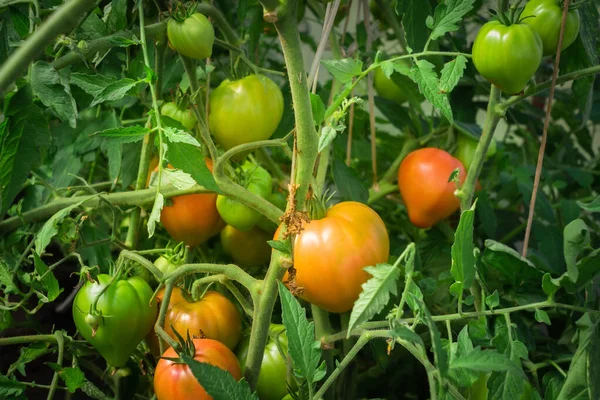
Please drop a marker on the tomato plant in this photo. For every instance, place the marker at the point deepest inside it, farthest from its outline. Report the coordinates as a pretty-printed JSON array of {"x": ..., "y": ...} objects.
[
  {"x": 545, "y": 17},
  {"x": 425, "y": 186},
  {"x": 317, "y": 166},
  {"x": 192, "y": 37},
  {"x": 174, "y": 380},
  {"x": 507, "y": 56},
  {"x": 330, "y": 254},
  {"x": 245, "y": 110},
  {"x": 273, "y": 381},
  {"x": 114, "y": 315}
]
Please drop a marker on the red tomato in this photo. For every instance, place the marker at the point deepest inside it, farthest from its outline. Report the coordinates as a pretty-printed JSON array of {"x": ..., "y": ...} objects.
[
  {"x": 214, "y": 316},
  {"x": 424, "y": 187},
  {"x": 175, "y": 381},
  {"x": 330, "y": 254},
  {"x": 193, "y": 218}
]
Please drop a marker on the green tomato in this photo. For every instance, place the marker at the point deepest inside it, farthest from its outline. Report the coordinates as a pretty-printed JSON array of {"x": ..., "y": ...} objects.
[
  {"x": 244, "y": 111},
  {"x": 272, "y": 378},
  {"x": 238, "y": 215},
  {"x": 246, "y": 248},
  {"x": 277, "y": 199},
  {"x": 125, "y": 315},
  {"x": 399, "y": 90},
  {"x": 466, "y": 147},
  {"x": 185, "y": 117},
  {"x": 165, "y": 265},
  {"x": 545, "y": 17},
  {"x": 192, "y": 37},
  {"x": 507, "y": 56}
]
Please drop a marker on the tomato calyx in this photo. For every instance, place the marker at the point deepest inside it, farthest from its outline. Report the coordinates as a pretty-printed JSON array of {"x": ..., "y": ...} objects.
[
  {"x": 185, "y": 346},
  {"x": 183, "y": 11}
]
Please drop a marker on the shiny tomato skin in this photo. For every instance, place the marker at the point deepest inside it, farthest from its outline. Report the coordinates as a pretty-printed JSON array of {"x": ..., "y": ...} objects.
[
  {"x": 192, "y": 218},
  {"x": 330, "y": 254},
  {"x": 175, "y": 381},
  {"x": 545, "y": 17},
  {"x": 185, "y": 117},
  {"x": 214, "y": 316},
  {"x": 507, "y": 56},
  {"x": 192, "y": 37},
  {"x": 246, "y": 248},
  {"x": 244, "y": 111},
  {"x": 424, "y": 187}
]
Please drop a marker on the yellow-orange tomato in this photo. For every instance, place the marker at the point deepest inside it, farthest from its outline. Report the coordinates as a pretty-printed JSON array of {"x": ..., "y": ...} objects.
[
  {"x": 175, "y": 381},
  {"x": 192, "y": 218},
  {"x": 330, "y": 254},
  {"x": 214, "y": 316},
  {"x": 424, "y": 187}
]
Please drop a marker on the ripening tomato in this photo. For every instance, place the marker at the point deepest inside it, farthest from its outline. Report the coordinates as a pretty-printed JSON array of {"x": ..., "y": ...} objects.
[
  {"x": 246, "y": 248},
  {"x": 330, "y": 254},
  {"x": 246, "y": 110},
  {"x": 125, "y": 316},
  {"x": 175, "y": 381},
  {"x": 424, "y": 187},
  {"x": 214, "y": 316},
  {"x": 192, "y": 37},
  {"x": 545, "y": 17},
  {"x": 192, "y": 218},
  {"x": 507, "y": 56},
  {"x": 185, "y": 116}
]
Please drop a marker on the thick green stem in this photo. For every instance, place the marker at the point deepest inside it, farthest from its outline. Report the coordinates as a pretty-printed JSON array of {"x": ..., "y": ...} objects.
[
  {"x": 465, "y": 193},
  {"x": 60, "y": 341},
  {"x": 61, "y": 21},
  {"x": 322, "y": 330},
  {"x": 306, "y": 136},
  {"x": 211, "y": 11},
  {"x": 263, "y": 309}
]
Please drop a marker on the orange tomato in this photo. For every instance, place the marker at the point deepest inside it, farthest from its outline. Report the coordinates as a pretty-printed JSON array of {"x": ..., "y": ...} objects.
[
  {"x": 330, "y": 254},
  {"x": 175, "y": 381},
  {"x": 424, "y": 187}
]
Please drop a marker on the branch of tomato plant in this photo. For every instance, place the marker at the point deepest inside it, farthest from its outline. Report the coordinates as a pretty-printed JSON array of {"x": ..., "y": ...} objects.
[
  {"x": 60, "y": 341},
  {"x": 389, "y": 14},
  {"x": 242, "y": 54},
  {"x": 212, "y": 12},
  {"x": 61, "y": 21}
]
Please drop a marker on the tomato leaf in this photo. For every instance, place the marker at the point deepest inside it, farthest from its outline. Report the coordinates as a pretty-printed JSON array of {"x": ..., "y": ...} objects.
[
  {"x": 129, "y": 134},
  {"x": 413, "y": 14},
  {"x": 52, "y": 88},
  {"x": 451, "y": 73},
  {"x": 576, "y": 239},
  {"x": 542, "y": 316},
  {"x": 343, "y": 70},
  {"x": 114, "y": 91},
  {"x": 91, "y": 84},
  {"x": 6, "y": 278},
  {"x": 484, "y": 361},
  {"x": 159, "y": 203},
  {"x": 50, "y": 228},
  {"x": 347, "y": 183},
  {"x": 218, "y": 383},
  {"x": 284, "y": 246},
  {"x": 463, "y": 259},
  {"x": 318, "y": 108},
  {"x": 304, "y": 349},
  {"x": 404, "y": 333},
  {"x": 424, "y": 75},
  {"x": 180, "y": 136},
  {"x": 493, "y": 300},
  {"x": 446, "y": 16},
  {"x": 375, "y": 294},
  {"x": 48, "y": 281},
  {"x": 328, "y": 133},
  {"x": 179, "y": 179},
  {"x": 10, "y": 387},
  {"x": 182, "y": 156}
]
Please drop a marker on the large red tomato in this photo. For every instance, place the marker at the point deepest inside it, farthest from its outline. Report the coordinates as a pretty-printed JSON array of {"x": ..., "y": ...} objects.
[
  {"x": 193, "y": 218},
  {"x": 330, "y": 254},
  {"x": 424, "y": 187},
  {"x": 214, "y": 316},
  {"x": 175, "y": 381}
]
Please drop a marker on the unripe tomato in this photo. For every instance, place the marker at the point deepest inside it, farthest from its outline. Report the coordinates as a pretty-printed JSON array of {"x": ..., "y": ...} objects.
[
  {"x": 165, "y": 265},
  {"x": 192, "y": 218},
  {"x": 185, "y": 117},
  {"x": 507, "y": 56},
  {"x": 258, "y": 181},
  {"x": 278, "y": 199},
  {"x": 192, "y": 37},
  {"x": 272, "y": 378},
  {"x": 175, "y": 381},
  {"x": 213, "y": 316},
  {"x": 466, "y": 147},
  {"x": 424, "y": 187},
  {"x": 389, "y": 89},
  {"x": 246, "y": 110},
  {"x": 330, "y": 254},
  {"x": 125, "y": 316},
  {"x": 545, "y": 17},
  {"x": 246, "y": 248}
]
